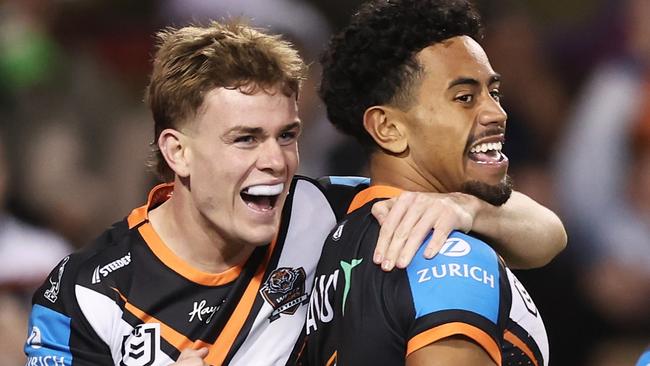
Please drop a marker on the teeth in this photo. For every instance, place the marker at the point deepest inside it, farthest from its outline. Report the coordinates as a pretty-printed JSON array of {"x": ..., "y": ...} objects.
[
  {"x": 487, "y": 146},
  {"x": 264, "y": 190}
]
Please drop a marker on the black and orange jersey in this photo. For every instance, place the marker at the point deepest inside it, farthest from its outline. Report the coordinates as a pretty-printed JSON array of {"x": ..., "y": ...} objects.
[
  {"x": 361, "y": 315},
  {"x": 128, "y": 300}
]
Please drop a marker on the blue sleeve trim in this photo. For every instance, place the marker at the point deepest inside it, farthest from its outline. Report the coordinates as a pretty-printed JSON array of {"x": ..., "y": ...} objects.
[
  {"x": 48, "y": 342},
  {"x": 464, "y": 275},
  {"x": 350, "y": 181}
]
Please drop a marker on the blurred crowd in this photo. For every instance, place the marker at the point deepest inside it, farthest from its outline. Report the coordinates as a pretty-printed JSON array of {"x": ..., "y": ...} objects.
[{"x": 74, "y": 137}]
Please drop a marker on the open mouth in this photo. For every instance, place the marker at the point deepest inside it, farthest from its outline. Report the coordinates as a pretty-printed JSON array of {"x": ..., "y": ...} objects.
[
  {"x": 487, "y": 152},
  {"x": 262, "y": 197}
]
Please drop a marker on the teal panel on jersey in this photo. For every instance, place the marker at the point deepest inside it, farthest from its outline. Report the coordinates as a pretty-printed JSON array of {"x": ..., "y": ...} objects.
[
  {"x": 48, "y": 342},
  {"x": 464, "y": 275},
  {"x": 645, "y": 359},
  {"x": 351, "y": 181}
]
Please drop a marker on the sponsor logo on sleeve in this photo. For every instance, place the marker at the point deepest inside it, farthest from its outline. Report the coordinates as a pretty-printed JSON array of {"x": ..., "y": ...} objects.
[
  {"x": 48, "y": 340},
  {"x": 52, "y": 293},
  {"x": 140, "y": 347},
  {"x": 463, "y": 270},
  {"x": 35, "y": 340},
  {"x": 47, "y": 361},
  {"x": 103, "y": 271},
  {"x": 284, "y": 290},
  {"x": 464, "y": 276},
  {"x": 455, "y": 247}
]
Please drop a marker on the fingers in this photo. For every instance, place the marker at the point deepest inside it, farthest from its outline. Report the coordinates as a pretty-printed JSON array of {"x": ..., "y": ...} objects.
[
  {"x": 388, "y": 228},
  {"x": 417, "y": 235},
  {"x": 192, "y": 357},
  {"x": 380, "y": 210},
  {"x": 451, "y": 217},
  {"x": 438, "y": 238},
  {"x": 395, "y": 253},
  {"x": 409, "y": 220}
]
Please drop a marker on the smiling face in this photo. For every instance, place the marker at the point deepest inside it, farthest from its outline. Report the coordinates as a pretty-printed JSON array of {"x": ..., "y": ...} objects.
[
  {"x": 242, "y": 154},
  {"x": 456, "y": 126}
]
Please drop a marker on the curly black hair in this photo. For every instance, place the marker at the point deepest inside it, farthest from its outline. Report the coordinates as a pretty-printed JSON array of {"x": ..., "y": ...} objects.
[{"x": 372, "y": 60}]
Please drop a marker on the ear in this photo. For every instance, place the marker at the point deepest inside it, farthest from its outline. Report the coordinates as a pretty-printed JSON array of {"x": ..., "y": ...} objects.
[
  {"x": 173, "y": 147},
  {"x": 386, "y": 126}
]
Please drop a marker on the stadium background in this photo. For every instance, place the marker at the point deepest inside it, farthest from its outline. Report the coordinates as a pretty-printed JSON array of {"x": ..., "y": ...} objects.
[{"x": 75, "y": 133}]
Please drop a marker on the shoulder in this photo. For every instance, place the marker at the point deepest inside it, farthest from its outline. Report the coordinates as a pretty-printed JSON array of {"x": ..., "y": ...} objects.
[
  {"x": 460, "y": 291},
  {"x": 83, "y": 267},
  {"x": 466, "y": 274},
  {"x": 340, "y": 190}
]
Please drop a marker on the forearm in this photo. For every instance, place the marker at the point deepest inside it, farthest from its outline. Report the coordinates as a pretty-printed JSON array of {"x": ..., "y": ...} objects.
[{"x": 525, "y": 233}]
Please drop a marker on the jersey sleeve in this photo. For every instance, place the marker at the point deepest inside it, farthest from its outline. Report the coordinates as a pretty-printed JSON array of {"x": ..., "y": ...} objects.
[
  {"x": 458, "y": 292},
  {"x": 57, "y": 332}
]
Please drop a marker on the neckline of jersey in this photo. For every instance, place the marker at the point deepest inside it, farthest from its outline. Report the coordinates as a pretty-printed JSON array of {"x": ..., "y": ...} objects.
[
  {"x": 139, "y": 218},
  {"x": 371, "y": 193}
]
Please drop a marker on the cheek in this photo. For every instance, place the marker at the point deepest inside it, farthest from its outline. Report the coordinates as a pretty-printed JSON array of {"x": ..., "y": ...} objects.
[{"x": 292, "y": 157}]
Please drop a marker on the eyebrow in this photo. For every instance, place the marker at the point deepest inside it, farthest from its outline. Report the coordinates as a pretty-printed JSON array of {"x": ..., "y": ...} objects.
[
  {"x": 258, "y": 130},
  {"x": 244, "y": 130},
  {"x": 495, "y": 78},
  {"x": 296, "y": 124}
]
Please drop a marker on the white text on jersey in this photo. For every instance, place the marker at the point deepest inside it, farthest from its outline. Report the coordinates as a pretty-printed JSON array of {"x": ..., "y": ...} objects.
[
  {"x": 456, "y": 270},
  {"x": 320, "y": 306},
  {"x": 107, "y": 269}
]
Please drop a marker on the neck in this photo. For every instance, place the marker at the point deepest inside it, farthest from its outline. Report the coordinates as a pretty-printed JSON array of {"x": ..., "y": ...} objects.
[
  {"x": 192, "y": 238},
  {"x": 401, "y": 172}
]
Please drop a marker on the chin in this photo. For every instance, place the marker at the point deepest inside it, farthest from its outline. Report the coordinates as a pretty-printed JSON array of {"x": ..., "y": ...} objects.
[
  {"x": 494, "y": 194},
  {"x": 259, "y": 236}
]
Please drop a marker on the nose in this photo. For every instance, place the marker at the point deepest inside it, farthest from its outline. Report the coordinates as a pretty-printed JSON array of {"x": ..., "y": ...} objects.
[
  {"x": 492, "y": 113},
  {"x": 271, "y": 157}
]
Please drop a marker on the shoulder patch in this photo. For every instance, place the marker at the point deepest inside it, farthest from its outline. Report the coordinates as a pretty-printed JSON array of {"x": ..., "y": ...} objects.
[
  {"x": 464, "y": 275},
  {"x": 52, "y": 293}
]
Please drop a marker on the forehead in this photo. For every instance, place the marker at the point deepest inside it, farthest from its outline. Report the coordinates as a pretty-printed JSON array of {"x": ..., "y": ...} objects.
[
  {"x": 261, "y": 108},
  {"x": 455, "y": 57}
]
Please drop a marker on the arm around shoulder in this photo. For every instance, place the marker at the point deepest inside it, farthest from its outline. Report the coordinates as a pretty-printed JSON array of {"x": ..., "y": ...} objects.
[{"x": 525, "y": 233}]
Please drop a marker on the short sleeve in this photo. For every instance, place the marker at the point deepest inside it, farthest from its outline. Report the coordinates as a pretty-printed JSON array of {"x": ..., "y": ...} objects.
[{"x": 458, "y": 292}]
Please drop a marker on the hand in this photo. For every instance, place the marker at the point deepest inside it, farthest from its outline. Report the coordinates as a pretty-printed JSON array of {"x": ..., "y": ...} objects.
[
  {"x": 192, "y": 357},
  {"x": 407, "y": 220}
]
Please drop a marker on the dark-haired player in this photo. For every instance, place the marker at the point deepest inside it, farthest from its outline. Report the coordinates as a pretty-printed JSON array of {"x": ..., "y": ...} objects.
[{"x": 408, "y": 79}]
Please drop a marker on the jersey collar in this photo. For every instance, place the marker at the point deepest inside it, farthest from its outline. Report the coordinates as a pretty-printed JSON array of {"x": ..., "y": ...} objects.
[
  {"x": 372, "y": 193},
  {"x": 158, "y": 195}
]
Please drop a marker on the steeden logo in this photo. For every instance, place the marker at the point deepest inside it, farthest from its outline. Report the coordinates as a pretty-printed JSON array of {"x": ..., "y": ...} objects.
[{"x": 104, "y": 271}]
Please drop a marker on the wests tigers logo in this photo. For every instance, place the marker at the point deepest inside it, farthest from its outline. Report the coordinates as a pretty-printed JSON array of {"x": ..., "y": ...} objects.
[{"x": 284, "y": 289}]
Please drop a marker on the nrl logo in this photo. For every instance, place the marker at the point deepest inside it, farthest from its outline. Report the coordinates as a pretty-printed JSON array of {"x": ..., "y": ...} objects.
[
  {"x": 139, "y": 348},
  {"x": 284, "y": 289}
]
